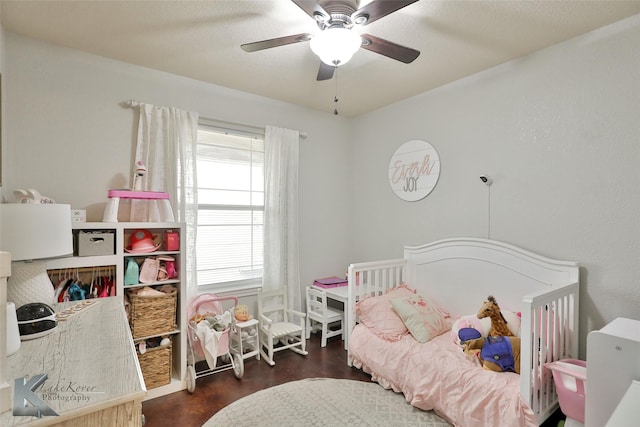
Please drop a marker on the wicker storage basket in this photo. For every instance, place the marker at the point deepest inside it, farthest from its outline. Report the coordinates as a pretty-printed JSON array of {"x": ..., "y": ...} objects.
[
  {"x": 156, "y": 366},
  {"x": 152, "y": 315}
]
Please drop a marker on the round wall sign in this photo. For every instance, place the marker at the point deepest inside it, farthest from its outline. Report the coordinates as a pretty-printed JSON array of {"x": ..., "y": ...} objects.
[{"x": 414, "y": 170}]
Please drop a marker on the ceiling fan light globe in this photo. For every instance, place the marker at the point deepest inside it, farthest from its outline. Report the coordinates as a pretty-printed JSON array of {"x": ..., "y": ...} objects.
[{"x": 335, "y": 46}]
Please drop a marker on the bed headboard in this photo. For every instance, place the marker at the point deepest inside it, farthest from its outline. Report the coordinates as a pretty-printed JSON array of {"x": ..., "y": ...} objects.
[{"x": 460, "y": 273}]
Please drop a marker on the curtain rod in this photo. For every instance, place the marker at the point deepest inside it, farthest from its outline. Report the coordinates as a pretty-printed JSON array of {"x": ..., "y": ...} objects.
[{"x": 217, "y": 123}]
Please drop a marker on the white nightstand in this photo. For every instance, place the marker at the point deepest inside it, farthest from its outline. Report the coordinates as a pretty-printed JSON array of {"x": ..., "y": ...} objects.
[{"x": 250, "y": 341}]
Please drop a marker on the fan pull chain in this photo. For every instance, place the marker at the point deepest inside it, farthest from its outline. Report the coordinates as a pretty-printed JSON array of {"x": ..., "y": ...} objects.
[{"x": 335, "y": 98}]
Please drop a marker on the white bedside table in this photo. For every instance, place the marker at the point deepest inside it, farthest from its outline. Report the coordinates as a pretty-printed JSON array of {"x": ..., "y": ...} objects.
[{"x": 240, "y": 343}]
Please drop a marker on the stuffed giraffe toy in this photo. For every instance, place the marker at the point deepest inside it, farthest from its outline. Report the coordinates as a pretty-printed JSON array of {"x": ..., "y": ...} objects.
[
  {"x": 500, "y": 350},
  {"x": 491, "y": 309}
]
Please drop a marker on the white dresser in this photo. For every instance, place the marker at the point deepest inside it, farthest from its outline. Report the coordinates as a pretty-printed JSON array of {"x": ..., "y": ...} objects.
[
  {"x": 613, "y": 363},
  {"x": 93, "y": 375}
]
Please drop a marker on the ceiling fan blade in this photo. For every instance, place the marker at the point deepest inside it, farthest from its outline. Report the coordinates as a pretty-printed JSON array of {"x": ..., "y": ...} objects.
[
  {"x": 280, "y": 41},
  {"x": 325, "y": 72},
  {"x": 379, "y": 9},
  {"x": 389, "y": 49},
  {"x": 312, "y": 8}
]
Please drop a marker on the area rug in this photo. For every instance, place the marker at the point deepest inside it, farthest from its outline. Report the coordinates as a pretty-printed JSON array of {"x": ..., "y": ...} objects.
[{"x": 324, "y": 402}]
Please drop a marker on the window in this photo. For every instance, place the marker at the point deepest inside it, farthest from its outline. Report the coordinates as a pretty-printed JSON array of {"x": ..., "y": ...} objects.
[{"x": 229, "y": 242}]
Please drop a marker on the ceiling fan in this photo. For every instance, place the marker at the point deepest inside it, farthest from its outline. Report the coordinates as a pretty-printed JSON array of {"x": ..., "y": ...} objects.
[{"x": 337, "y": 40}]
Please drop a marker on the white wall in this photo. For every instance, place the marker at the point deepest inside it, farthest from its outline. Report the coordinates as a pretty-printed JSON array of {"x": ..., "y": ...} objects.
[
  {"x": 558, "y": 131},
  {"x": 68, "y": 137},
  {"x": 2, "y": 101}
]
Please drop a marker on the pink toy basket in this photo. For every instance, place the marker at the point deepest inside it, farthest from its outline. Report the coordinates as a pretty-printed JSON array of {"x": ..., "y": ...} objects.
[{"x": 570, "y": 378}]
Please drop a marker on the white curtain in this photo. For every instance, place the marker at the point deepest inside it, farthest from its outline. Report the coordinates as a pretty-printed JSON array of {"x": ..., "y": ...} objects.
[
  {"x": 281, "y": 213},
  {"x": 167, "y": 139}
]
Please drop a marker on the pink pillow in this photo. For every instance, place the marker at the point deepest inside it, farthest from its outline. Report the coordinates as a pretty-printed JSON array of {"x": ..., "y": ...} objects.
[
  {"x": 423, "y": 318},
  {"x": 377, "y": 314}
]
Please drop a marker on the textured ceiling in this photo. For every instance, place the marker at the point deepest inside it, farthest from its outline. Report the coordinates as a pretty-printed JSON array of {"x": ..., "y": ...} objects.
[{"x": 201, "y": 40}]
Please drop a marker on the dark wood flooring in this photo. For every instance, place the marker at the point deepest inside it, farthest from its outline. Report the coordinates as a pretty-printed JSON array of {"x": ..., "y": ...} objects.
[{"x": 216, "y": 391}]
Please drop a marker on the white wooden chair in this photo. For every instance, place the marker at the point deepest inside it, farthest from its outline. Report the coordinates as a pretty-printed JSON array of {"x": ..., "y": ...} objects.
[
  {"x": 319, "y": 312},
  {"x": 279, "y": 324}
]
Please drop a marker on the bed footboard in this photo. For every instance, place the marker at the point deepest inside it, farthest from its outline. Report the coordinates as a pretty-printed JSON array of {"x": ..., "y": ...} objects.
[{"x": 551, "y": 318}]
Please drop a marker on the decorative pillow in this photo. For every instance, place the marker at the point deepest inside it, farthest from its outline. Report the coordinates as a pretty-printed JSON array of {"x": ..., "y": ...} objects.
[
  {"x": 377, "y": 314},
  {"x": 424, "y": 319},
  {"x": 483, "y": 325}
]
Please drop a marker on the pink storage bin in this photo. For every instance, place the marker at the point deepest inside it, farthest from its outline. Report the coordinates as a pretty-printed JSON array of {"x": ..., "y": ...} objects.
[{"x": 570, "y": 378}]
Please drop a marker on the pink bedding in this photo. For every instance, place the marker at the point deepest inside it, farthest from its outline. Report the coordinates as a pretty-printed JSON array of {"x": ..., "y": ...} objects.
[{"x": 438, "y": 376}]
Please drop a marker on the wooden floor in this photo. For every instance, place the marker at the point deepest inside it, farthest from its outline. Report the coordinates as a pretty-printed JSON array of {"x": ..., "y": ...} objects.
[{"x": 216, "y": 391}]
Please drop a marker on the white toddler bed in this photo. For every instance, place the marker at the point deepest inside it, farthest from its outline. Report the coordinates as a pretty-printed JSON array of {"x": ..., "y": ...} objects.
[{"x": 458, "y": 274}]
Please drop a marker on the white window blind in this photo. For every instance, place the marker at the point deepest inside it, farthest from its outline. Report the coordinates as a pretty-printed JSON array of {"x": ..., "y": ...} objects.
[{"x": 229, "y": 241}]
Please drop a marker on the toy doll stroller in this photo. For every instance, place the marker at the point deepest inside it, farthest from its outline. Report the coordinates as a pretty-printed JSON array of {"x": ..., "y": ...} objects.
[{"x": 209, "y": 327}]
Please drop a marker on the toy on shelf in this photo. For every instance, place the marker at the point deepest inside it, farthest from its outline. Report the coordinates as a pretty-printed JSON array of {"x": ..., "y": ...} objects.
[
  {"x": 167, "y": 268},
  {"x": 242, "y": 313},
  {"x": 31, "y": 196},
  {"x": 142, "y": 242},
  {"x": 139, "y": 173}
]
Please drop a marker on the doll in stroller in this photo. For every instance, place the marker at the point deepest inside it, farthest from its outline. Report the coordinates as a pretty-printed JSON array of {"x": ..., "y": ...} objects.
[{"x": 209, "y": 349}]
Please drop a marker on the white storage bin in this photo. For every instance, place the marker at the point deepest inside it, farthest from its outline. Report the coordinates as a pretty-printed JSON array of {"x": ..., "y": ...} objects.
[{"x": 95, "y": 243}]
